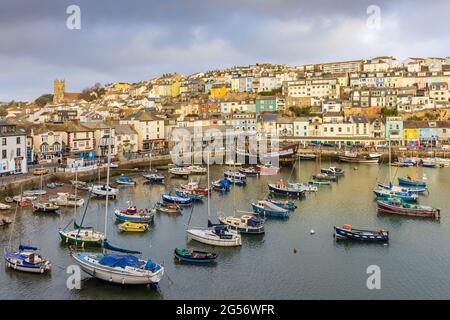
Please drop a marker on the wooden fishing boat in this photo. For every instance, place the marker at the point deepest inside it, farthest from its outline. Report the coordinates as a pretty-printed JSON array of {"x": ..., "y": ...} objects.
[
  {"x": 269, "y": 209},
  {"x": 189, "y": 255},
  {"x": 347, "y": 232},
  {"x": 153, "y": 177},
  {"x": 22, "y": 198},
  {"x": 193, "y": 188},
  {"x": 250, "y": 171},
  {"x": 285, "y": 204},
  {"x": 304, "y": 186},
  {"x": 215, "y": 235},
  {"x": 127, "y": 181},
  {"x": 246, "y": 224},
  {"x": 185, "y": 194},
  {"x": 129, "y": 226},
  {"x": 168, "y": 208},
  {"x": 132, "y": 214},
  {"x": 4, "y": 206},
  {"x": 396, "y": 206},
  {"x": 45, "y": 207},
  {"x": 332, "y": 171},
  {"x": 181, "y": 201},
  {"x": 405, "y": 196},
  {"x": 352, "y": 157},
  {"x": 27, "y": 259},
  {"x": 221, "y": 185},
  {"x": 267, "y": 169},
  {"x": 408, "y": 181},
  {"x": 283, "y": 188},
  {"x": 36, "y": 192}
]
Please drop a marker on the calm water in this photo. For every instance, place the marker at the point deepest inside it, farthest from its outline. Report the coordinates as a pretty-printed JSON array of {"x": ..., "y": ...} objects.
[{"x": 414, "y": 265}]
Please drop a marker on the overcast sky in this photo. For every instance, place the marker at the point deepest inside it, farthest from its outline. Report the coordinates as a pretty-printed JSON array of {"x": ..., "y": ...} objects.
[{"x": 136, "y": 40}]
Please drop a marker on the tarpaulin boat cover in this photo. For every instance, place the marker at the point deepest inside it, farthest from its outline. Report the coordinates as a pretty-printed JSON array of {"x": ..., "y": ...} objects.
[
  {"x": 254, "y": 221},
  {"x": 224, "y": 183},
  {"x": 117, "y": 260},
  {"x": 22, "y": 248},
  {"x": 150, "y": 265}
]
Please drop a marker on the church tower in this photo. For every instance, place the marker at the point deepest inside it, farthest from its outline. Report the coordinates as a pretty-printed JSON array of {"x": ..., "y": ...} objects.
[{"x": 59, "y": 87}]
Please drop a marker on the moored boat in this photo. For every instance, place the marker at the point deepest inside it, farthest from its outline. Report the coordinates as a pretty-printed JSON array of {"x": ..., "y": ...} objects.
[
  {"x": 27, "y": 259},
  {"x": 401, "y": 189},
  {"x": 193, "y": 188},
  {"x": 246, "y": 224},
  {"x": 181, "y": 201},
  {"x": 285, "y": 204},
  {"x": 215, "y": 235},
  {"x": 196, "y": 170},
  {"x": 127, "y": 181},
  {"x": 269, "y": 209},
  {"x": 408, "y": 181},
  {"x": 45, "y": 207},
  {"x": 154, "y": 177},
  {"x": 190, "y": 255},
  {"x": 186, "y": 194},
  {"x": 318, "y": 182},
  {"x": 82, "y": 236},
  {"x": 332, "y": 171},
  {"x": 405, "y": 196},
  {"x": 283, "y": 188},
  {"x": 67, "y": 200},
  {"x": 396, "y": 206},
  {"x": 132, "y": 214},
  {"x": 221, "y": 185},
  {"x": 180, "y": 171},
  {"x": 4, "y": 206},
  {"x": 103, "y": 191},
  {"x": 168, "y": 208},
  {"x": 236, "y": 178},
  {"x": 347, "y": 232},
  {"x": 249, "y": 171},
  {"x": 306, "y": 156},
  {"x": 267, "y": 169},
  {"x": 4, "y": 222},
  {"x": 129, "y": 226},
  {"x": 36, "y": 192},
  {"x": 325, "y": 177}
]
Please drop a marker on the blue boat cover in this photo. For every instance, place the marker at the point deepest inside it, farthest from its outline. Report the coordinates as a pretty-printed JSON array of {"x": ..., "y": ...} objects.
[
  {"x": 119, "y": 260},
  {"x": 254, "y": 221},
  {"x": 22, "y": 248},
  {"x": 150, "y": 265},
  {"x": 224, "y": 183}
]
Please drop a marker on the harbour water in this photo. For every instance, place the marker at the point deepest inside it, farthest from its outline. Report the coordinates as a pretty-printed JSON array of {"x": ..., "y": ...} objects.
[{"x": 414, "y": 265}]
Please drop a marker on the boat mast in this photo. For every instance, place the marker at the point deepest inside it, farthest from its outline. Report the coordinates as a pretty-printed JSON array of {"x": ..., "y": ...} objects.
[
  {"x": 389, "y": 144},
  {"x": 107, "y": 179},
  {"x": 209, "y": 186},
  {"x": 76, "y": 189}
]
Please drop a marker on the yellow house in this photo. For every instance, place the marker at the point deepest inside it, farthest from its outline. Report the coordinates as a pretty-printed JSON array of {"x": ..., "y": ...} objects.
[
  {"x": 218, "y": 91},
  {"x": 410, "y": 135},
  {"x": 122, "y": 86},
  {"x": 175, "y": 88}
]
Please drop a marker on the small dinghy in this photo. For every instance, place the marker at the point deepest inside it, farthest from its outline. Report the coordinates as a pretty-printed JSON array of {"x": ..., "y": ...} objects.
[
  {"x": 45, "y": 207},
  {"x": 168, "y": 208},
  {"x": 190, "y": 255},
  {"x": 36, "y": 192},
  {"x": 4, "y": 206},
  {"x": 27, "y": 259},
  {"x": 22, "y": 198},
  {"x": 103, "y": 191},
  {"x": 127, "y": 181},
  {"x": 129, "y": 226},
  {"x": 132, "y": 214},
  {"x": 332, "y": 171},
  {"x": 181, "y": 201},
  {"x": 9, "y": 200},
  {"x": 402, "y": 189},
  {"x": 405, "y": 196},
  {"x": 67, "y": 200},
  {"x": 80, "y": 185},
  {"x": 250, "y": 171},
  {"x": 269, "y": 209},
  {"x": 221, "y": 185},
  {"x": 347, "y": 232},
  {"x": 193, "y": 188},
  {"x": 4, "y": 222},
  {"x": 196, "y": 170},
  {"x": 319, "y": 182},
  {"x": 215, "y": 235},
  {"x": 306, "y": 156},
  {"x": 154, "y": 177},
  {"x": 267, "y": 169},
  {"x": 54, "y": 185},
  {"x": 185, "y": 194},
  {"x": 179, "y": 171},
  {"x": 325, "y": 177}
]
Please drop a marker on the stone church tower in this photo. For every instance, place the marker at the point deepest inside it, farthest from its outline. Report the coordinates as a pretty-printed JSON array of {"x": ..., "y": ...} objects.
[{"x": 59, "y": 87}]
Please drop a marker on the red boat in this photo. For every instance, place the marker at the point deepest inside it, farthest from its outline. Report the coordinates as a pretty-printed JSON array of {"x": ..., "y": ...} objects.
[
  {"x": 192, "y": 188},
  {"x": 396, "y": 206}
]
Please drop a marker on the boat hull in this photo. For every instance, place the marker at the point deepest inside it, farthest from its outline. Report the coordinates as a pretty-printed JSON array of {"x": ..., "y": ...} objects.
[
  {"x": 387, "y": 208},
  {"x": 292, "y": 193},
  {"x": 343, "y": 234},
  {"x": 67, "y": 239},
  {"x": 208, "y": 237},
  {"x": 270, "y": 213},
  {"x": 405, "y": 182}
]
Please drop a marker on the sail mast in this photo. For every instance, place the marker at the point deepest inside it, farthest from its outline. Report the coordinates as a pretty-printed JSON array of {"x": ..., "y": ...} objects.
[
  {"x": 76, "y": 189},
  {"x": 390, "y": 170},
  {"x": 209, "y": 186},
  {"x": 107, "y": 179}
]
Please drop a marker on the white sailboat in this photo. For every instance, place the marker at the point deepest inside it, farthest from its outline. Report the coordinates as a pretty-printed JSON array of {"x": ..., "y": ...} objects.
[
  {"x": 125, "y": 269},
  {"x": 215, "y": 234}
]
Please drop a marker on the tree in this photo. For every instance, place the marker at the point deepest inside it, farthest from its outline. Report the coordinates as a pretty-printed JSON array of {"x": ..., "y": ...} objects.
[
  {"x": 44, "y": 99},
  {"x": 388, "y": 112},
  {"x": 301, "y": 112}
]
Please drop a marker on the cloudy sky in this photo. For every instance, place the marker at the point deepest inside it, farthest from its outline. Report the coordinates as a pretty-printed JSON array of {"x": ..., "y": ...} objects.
[{"x": 136, "y": 40}]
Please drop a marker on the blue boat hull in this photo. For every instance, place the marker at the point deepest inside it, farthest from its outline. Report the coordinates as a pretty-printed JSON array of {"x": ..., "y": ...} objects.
[
  {"x": 404, "y": 182},
  {"x": 290, "y": 206},
  {"x": 123, "y": 218},
  {"x": 269, "y": 213},
  {"x": 184, "y": 201},
  {"x": 403, "y": 197},
  {"x": 349, "y": 235},
  {"x": 292, "y": 193}
]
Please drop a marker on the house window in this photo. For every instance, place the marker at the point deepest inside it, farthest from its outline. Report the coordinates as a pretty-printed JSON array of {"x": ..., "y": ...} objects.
[
  {"x": 3, "y": 154},
  {"x": 4, "y": 142},
  {"x": 18, "y": 152},
  {"x": 18, "y": 140}
]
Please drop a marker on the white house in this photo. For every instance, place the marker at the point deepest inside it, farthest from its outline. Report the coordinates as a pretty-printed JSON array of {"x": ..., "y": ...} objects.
[{"x": 13, "y": 158}]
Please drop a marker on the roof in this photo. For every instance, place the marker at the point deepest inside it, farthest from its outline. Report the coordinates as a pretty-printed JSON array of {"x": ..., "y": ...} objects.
[
  {"x": 123, "y": 129},
  {"x": 359, "y": 119},
  {"x": 143, "y": 116}
]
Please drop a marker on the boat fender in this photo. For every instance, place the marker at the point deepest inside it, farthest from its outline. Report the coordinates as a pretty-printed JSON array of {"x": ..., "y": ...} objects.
[
  {"x": 42, "y": 270},
  {"x": 312, "y": 231},
  {"x": 123, "y": 281},
  {"x": 110, "y": 279}
]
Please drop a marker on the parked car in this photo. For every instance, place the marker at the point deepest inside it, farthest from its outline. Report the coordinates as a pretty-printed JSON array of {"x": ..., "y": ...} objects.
[{"x": 40, "y": 172}]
